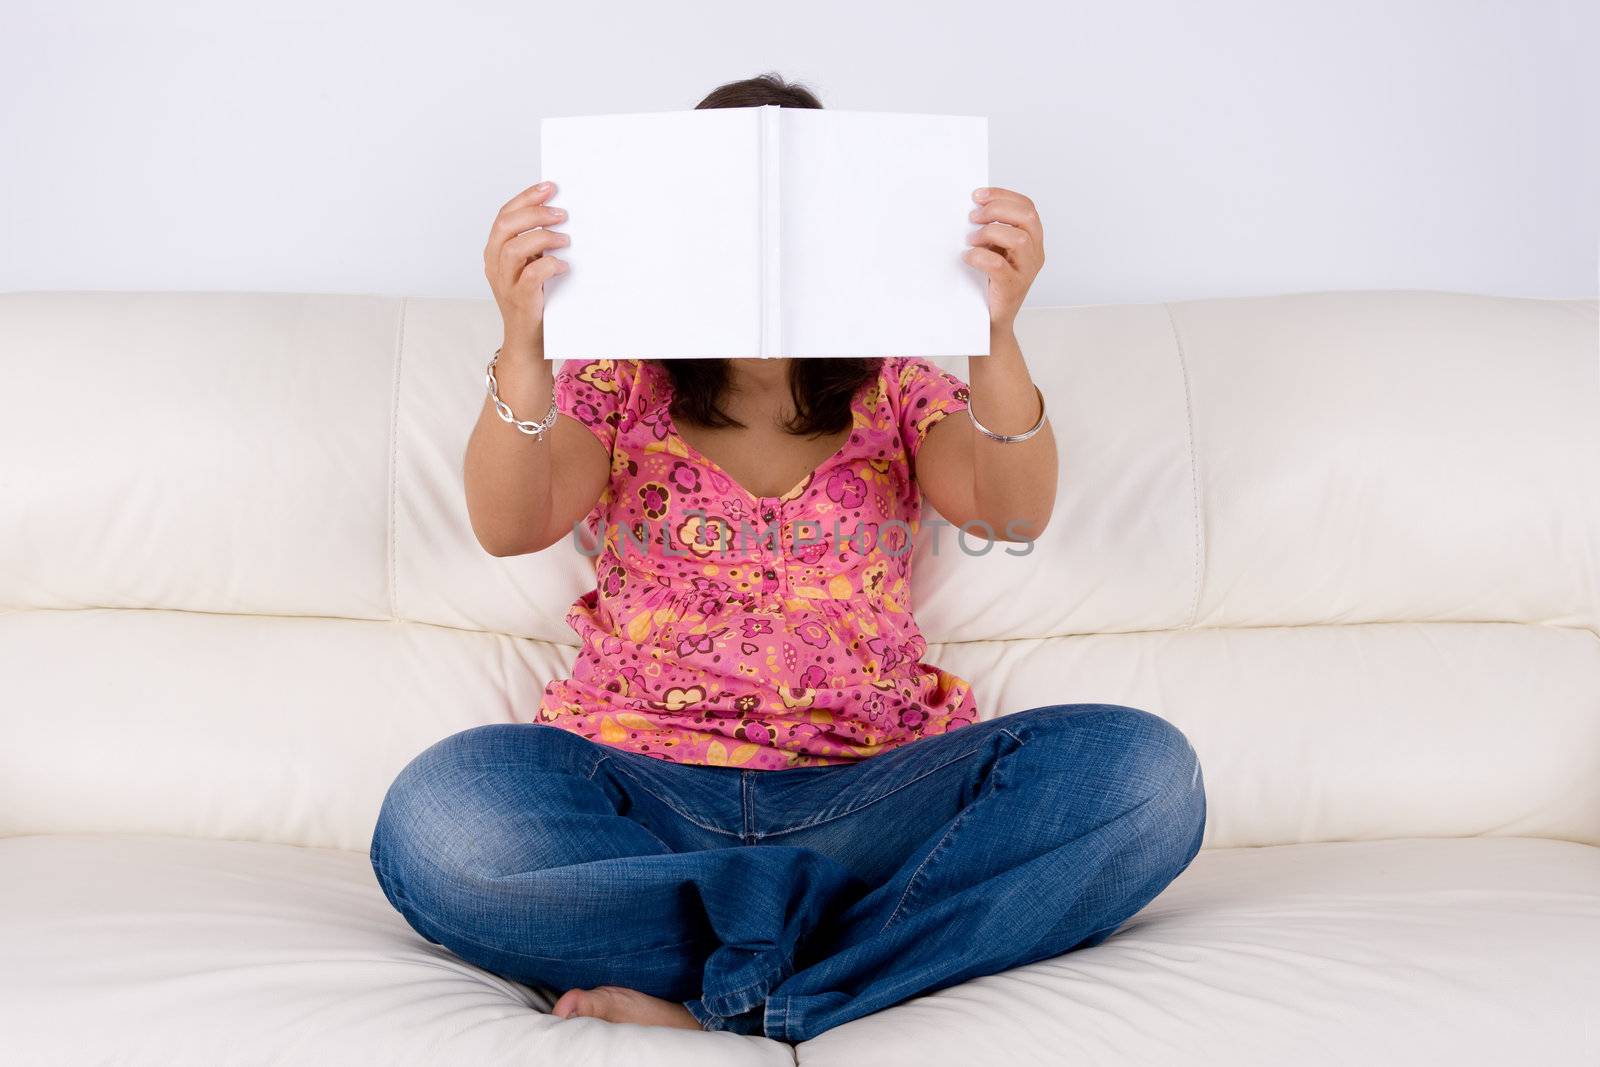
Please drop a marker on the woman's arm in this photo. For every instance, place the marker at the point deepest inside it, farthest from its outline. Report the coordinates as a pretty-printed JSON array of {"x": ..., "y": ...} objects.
[
  {"x": 523, "y": 495},
  {"x": 968, "y": 477}
]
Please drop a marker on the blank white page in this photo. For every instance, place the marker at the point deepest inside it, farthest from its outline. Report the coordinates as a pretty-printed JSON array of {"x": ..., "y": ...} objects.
[
  {"x": 873, "y": 225},
  {"x": 664, "y": 214}
]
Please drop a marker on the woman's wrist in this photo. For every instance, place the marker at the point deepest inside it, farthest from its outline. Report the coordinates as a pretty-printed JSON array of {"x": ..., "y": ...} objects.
[
  {"x": 521, "y": 344},
  {"x": 1005, "y": 360},
  {"x": 1000, "y": 388},
  {"x": 526, "y": 380}
]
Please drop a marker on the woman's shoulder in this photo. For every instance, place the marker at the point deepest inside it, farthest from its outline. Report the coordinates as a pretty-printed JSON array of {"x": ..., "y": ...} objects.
[
  {"x": 919, "y": 394},
  {"x": 907, "y": 375},
  {"x": 913, "y": 380},
  {"x": 599, "y": 393}
]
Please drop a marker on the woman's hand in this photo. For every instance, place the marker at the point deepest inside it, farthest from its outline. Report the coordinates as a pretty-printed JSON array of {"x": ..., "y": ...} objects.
[
  {"x": 1009, "y": 248},
  {"x": 518, "y": 260}
]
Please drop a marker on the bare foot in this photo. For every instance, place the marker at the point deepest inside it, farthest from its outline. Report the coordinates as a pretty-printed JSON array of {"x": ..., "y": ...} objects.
[{"x": 615, "y": 1004}]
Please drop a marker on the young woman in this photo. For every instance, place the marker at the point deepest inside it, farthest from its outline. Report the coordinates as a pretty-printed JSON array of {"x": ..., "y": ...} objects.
[{"x": 753, "y": 807}]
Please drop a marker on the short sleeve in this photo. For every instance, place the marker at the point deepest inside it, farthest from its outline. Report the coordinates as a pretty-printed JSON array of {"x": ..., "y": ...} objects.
[
  {"x": 923, "y": 395},
  {"x": 595, "y": 392}
]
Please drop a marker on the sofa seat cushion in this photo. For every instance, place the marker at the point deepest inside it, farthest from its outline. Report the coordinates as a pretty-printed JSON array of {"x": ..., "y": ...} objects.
[
  {"x": 139, "y": 949},
  {"x": 153, "y": 950}
]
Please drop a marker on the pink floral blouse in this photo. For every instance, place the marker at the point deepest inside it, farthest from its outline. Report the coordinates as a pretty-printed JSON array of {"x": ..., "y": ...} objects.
[{"x": 747, "y": 631}]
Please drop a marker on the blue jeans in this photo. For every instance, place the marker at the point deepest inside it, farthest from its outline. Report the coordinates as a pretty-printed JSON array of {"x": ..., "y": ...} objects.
[{"x": 787, "y": 902}]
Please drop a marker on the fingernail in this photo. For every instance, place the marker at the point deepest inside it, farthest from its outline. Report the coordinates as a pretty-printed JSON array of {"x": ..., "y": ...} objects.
[
  {"x": 979, "y": 194},
  {"x": 542, "y": 186},
  {"x": 558, "y": 213}
]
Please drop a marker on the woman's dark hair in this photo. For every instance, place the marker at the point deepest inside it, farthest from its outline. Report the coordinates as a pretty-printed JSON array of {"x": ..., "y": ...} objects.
[
  {"x": 759, "y": 91},
  {"x": 822, "y": 388}
]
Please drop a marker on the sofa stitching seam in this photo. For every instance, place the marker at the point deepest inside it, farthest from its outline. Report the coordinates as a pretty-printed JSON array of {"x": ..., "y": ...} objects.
[
  {"x": 394, "y": 466},
  {"x": 1194, "y": 466}
]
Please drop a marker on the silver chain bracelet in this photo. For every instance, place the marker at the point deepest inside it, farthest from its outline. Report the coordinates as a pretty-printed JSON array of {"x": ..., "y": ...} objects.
[
  {"x": 536, "y": 430},
  {"x": 1009, "y": 438}
]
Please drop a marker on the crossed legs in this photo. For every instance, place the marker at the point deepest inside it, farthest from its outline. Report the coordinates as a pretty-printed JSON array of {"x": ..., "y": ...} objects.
[{"x": 550, "y": 859}]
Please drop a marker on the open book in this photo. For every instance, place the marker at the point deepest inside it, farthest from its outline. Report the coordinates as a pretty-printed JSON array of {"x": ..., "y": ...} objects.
[{"x": 765, "y": 231}]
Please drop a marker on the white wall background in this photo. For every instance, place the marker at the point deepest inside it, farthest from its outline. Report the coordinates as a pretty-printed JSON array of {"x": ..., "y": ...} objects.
[{"x": 1177, "y": 149}]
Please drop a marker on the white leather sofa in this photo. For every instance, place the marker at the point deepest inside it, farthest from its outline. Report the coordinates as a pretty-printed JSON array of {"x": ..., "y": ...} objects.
[{"x": 1348, "y": 542}]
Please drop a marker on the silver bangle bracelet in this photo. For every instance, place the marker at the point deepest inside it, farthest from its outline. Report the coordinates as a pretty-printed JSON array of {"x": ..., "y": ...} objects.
[
  {"x": 536, "y": 430},
  {"x": 1009, "y": 438}
]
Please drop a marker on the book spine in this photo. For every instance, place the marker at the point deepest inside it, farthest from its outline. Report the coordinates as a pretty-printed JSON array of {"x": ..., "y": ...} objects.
[{"x": 771, "y": 204}]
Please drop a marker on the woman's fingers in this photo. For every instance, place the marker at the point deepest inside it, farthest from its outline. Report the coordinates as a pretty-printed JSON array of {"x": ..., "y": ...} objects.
[
  {"x": 1003, "y": 205},
  {"x": 513, "y": 221},
  {"x": 511, "y": 225},
  {"x": 518, "y": 258},
  {"x": 1009, "y": 248},
  {"x": 1009, "y": 241},
  {"x": 520, "y": 237},
  {"x": 524, "y": 211},
  {"x": 538, "y": 271},
  {"x": 530, "y": 243},
  {"x": 989, "y": 261},
  {"x": 533, "y": 194},
  {"x": 984, "y": 196},
  {"x": 525, "y": 249}
]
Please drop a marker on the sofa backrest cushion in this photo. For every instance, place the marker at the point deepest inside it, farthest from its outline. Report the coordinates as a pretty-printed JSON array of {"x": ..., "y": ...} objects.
[{"x": 1347, "y": 541}]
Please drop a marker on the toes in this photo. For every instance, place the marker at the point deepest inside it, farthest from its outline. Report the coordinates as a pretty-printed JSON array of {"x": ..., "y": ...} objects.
[
  {"x": 572, "y": 1004},
  {"x": 620, "y": 1005}
]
